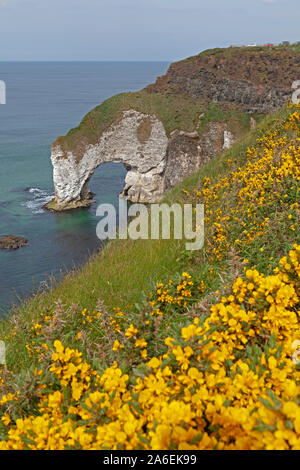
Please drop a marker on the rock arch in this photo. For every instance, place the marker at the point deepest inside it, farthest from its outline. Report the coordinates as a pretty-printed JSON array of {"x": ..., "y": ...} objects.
[
  {"x": 154, "y": 161},
  {"x": 137, "y": 140}
]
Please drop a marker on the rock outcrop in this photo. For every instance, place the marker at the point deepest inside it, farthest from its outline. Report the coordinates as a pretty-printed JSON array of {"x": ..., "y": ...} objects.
[
  {"x": 257, "y": 79},
  {"x": 12, "y": 242},
  {"x": 173, "y": 127},
  {"x": 188, "y": 151}
]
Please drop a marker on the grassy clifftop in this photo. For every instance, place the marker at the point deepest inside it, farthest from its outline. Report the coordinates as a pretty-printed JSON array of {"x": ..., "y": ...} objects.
[
  {"x": 151, "y": 347},
  {"x": 275, "y": 66},
  {"x": 178, "y": 111}
]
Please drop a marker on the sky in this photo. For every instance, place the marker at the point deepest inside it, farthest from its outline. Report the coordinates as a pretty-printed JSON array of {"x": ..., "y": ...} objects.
[{"x": 139, "y": 30}]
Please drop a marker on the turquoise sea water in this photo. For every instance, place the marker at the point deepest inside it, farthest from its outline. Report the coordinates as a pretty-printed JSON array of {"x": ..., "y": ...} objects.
[{"x": 45, "y": 100}]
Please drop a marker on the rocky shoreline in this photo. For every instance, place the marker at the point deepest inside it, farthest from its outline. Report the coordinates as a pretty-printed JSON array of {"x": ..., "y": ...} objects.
[{"x": 54, "y": 206}]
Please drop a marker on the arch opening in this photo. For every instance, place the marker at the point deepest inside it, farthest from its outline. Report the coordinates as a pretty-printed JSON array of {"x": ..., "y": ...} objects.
[{"x": 106, "y": 183}]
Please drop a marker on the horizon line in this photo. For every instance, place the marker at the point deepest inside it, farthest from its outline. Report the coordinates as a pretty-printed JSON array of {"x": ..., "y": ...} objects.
[{"x": 81, "y": 61}]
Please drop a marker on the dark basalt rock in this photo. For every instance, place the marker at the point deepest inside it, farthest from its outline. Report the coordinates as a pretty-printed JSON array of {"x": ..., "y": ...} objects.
[
  {"x": 12, "y": 242},
  {"x": 257, "y": 79}
]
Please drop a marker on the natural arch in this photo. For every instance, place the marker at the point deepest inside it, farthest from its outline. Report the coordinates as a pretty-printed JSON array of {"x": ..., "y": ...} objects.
[{"x": 137, "y": 140}]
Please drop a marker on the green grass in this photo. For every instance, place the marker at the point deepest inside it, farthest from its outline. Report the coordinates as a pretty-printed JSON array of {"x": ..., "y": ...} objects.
[
  {"x": 118, "y": 276},
  {"x": 228, "y": 51}
]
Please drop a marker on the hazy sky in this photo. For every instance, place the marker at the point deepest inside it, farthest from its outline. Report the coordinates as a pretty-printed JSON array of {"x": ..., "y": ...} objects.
[{"x": 139, "y": 29}]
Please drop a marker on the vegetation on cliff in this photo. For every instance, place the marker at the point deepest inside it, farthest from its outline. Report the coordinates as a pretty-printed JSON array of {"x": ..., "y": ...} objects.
[
  {"x": 275, "y": 66},
  {"x": 175, "y": 112},
  {"x": 216, "y": 85},
  {"x": 184, "y": 350}
]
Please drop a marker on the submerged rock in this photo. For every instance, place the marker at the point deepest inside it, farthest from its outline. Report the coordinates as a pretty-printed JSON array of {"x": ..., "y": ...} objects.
[{"x": 12, "y": 242}]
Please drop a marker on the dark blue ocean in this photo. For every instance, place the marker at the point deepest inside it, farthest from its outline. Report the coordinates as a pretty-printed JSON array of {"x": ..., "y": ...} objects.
[{"x": 45, "y": 100}]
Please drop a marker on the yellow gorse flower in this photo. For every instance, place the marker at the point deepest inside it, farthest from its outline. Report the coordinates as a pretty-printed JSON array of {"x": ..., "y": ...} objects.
[{"x": 230, "y": 383}]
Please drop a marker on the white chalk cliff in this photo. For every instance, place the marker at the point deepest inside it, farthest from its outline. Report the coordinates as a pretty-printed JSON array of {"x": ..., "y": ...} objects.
[{"x": 137, "y": 140}]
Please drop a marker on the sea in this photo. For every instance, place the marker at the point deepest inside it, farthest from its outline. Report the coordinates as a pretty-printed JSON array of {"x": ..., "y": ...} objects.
[{"x": 44, "y": 101}]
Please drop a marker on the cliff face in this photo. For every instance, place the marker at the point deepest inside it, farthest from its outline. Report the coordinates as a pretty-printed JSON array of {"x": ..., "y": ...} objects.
[
  {"x": 188, "y": 151},
  {"x": 153, "y": 161},
  {"x": 173, "y": 127},
  {"x": 257, "y": 79}
]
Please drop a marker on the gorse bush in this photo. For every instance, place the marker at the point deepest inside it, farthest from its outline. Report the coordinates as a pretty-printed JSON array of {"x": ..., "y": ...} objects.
[
  {"x": 184, "y": 369},
  {"x": 230, "y": 382}
]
